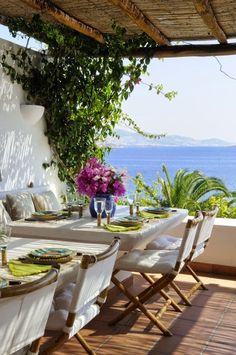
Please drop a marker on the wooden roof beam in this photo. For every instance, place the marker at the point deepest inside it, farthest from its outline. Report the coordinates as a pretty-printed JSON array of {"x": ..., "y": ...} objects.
[
  {"x": 205, "y": 10},
  {"x": 130, "y": 9},
  {"x": 62, "y": 17},
  {"x": 200, "y": 50}
]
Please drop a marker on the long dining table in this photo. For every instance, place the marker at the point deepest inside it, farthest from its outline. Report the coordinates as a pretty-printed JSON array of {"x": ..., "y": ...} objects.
[
  {"x": 20, "y": 247},
  {"x": 81, "y": 235},
  {"x": 85, "y": 229}
]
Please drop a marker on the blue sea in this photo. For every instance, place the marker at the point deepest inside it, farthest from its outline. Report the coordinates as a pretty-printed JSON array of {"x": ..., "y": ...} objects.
[{"x": 218, "y": 162}]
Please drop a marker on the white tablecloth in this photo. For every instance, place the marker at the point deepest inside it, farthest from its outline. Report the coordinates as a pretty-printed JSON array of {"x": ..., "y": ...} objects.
[
  {"x": 19, "y": 247},
  {"x": 85, "y": 230}
]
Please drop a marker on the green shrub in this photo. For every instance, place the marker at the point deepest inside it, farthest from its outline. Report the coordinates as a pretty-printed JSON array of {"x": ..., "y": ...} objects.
[{"x": 224, "y": 204}]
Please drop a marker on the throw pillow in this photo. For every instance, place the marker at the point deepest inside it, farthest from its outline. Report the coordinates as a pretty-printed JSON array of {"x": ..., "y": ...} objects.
[
  {"x": 45, "y": 201},
  {"x": 4, "y": 216},
  {"x": 20, "y": 205}
]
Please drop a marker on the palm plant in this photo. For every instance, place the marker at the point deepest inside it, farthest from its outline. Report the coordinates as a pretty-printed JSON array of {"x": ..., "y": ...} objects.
[{"x": 187, "y": 190}]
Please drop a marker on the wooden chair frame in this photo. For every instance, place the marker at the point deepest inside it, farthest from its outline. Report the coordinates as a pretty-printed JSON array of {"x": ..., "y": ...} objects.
[
  {"x": 28, "y": 287},
  {"x": 86, "y": 262},
  {"x": 199, "y": 283},
  {"x": 154, "y": 288}
]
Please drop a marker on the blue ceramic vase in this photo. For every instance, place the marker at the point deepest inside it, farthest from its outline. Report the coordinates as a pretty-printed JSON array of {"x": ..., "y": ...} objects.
[{"x": 107, "y": 197}]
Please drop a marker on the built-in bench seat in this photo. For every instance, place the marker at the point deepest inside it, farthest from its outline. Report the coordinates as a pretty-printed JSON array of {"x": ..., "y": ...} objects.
[{"x": 19, "y": 204}]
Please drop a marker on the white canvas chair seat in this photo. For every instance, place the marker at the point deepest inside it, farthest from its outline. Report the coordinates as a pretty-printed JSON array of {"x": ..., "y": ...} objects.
[
  {"x": 167, "y": 262},
  {"x": 201, "y": 240},
  {"x": 60, "y": 309},
  {"x": 58, "y": 319},
  {"x": 24, "y": 310},
  {"x": 165, "y": 242},
  {"x": 152, "y": 261},
  {"x": 80, "y": 302}
]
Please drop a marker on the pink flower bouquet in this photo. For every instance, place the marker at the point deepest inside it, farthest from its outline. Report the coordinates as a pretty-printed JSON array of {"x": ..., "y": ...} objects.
[{"x": 97, "y": 178}]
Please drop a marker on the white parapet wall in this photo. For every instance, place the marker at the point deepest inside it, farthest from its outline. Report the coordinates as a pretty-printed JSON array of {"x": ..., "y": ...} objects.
[{"x": 221, "y": 249}]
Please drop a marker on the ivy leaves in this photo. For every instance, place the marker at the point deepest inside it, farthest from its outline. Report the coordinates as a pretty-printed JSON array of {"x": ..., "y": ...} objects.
[{"x": 80, "y": 83}]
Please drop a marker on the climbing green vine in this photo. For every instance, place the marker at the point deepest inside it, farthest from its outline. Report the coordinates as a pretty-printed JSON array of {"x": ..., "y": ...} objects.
[{"x": 81, "y": 84}]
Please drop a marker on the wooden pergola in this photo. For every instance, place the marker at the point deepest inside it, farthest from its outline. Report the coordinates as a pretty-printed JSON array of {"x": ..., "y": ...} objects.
[{"x": 167, "y": 22}]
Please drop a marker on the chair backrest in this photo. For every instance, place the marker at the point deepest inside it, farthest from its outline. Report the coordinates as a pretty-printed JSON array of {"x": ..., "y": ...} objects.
[
  {"x": 94, "y": 275},
  {"x": 24, "y": 311},
  {"x": 188, "y": 240},
  {"x": 204, "y": 232}
]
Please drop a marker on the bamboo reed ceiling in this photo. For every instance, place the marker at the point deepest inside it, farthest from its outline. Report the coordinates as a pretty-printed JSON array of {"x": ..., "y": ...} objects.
[{"x": 164, "y": 21}]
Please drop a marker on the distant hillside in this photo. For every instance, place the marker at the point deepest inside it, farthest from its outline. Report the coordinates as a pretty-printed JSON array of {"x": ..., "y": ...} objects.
[{"x": 130, "y": 138}]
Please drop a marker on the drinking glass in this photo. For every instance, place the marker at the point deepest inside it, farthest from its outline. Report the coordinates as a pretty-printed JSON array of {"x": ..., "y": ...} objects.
[
  {"x": 109, "y": 202},
  {"x": 80, "y": 203},
  {"x": 70, "y": 197},
  {"x": 70, "y": 201},
  {"x": 5, "y": 233},
  {"x": 99, "y": 206},
  {"x": 137, "y": 201},
  {"x": 131, "y": 198}
]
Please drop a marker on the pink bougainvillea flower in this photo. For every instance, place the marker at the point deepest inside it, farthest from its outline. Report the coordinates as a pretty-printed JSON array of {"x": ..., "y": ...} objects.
[{"x": 97, "y": 178}]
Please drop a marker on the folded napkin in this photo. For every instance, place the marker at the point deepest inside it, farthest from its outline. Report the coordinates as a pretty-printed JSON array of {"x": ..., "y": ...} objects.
[
  {"x": 149, "y": 215},
  {"x": 115, "y": 228},
  {"x": 18, "y": 268}
]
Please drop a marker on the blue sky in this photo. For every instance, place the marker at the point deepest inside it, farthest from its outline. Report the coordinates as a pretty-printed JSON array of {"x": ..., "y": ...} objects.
[{"x": 204, "y": 106}]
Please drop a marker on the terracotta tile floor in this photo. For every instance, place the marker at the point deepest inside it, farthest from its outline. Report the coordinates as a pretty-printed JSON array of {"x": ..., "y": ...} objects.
[{"x": 208, "y": 327}]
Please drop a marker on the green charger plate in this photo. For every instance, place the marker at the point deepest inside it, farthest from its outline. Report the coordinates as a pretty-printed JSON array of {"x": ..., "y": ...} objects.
[
  {"x": 157, "y": 210},
  {"x": 127, "y": 223},
  {"x": 51, "y": 253}
]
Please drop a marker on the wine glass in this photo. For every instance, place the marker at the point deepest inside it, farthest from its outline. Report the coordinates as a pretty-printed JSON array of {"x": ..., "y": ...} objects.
[
  {"x": 70, "y": 196},
  {"x": 99, "y": 206},
  {"x": 131, "y": 198},
  {"x": 5, "y": 233},
  {"x": 137, "y": 201},
  {"x": 109, "y": 202},
  {"x": 70, "y": 201},
  {"x": 80, "y": 203}
]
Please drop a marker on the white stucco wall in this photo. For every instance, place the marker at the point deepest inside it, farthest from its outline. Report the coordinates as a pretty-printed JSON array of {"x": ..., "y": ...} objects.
[
  {"x": 221, "y": 249},
  {"x": 23, "y": 148}
]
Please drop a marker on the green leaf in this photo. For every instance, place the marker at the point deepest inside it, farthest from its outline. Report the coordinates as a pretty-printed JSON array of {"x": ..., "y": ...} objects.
[{"x": 81, "y": 85}]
